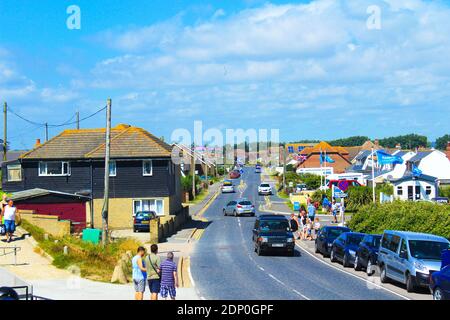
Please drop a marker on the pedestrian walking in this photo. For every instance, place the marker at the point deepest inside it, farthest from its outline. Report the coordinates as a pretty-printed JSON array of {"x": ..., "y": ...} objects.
[
  {"x": 153, "y": 263},
  {"x": 169, "y": 278},
  {"x": 311, "y": 212},
  {"x": 325, "y": 204},
  {"x": 308, "y": 200},
  {"x": 334, "y": 209},
  {"x": 294, "y": 225},
  {"x": 138, "y": 274},
  {"x": 316, "y": 227},
  {"x": 9, "y": 213}
]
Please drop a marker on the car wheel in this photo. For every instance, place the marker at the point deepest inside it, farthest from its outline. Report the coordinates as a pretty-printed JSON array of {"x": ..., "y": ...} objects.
[
  {"x": 134, "y": 230},
  {"x": 345, "y": 261},
  {"x": 316, "y": 248},
  {"x": 235, "y": 213},
  {"x": 437, "y": 294},
  {"x": 410, "y": 286},
  {"x": 259, "y": 251},
  {"x": 383, "y": 276},
  {"x": 224, "y": 213},
  {"x": 332, "y": 256},
  {"x": 369, "y": 268},
  {"x": 356, "y": 265}
]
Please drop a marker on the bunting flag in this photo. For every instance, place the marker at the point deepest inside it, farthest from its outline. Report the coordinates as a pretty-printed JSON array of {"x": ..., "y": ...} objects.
[{"x": 386, "y": 158}]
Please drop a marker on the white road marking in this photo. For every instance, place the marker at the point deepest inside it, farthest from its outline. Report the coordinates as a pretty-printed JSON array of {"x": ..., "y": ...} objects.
[
  {"x": 277, "y": 280},
  {"x": 190, "y": 276},
  {"x": 353, "y": 275},
  {"x": 301, "y": 295}
]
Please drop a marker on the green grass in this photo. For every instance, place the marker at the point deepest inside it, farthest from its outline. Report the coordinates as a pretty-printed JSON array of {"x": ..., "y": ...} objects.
[{"x": 94, "y": 261}]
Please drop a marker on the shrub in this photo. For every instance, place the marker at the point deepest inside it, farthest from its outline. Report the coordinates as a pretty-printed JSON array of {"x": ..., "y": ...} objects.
[
  {"x": 406, "y": 216},
  {"x": 358, "y": 197}
]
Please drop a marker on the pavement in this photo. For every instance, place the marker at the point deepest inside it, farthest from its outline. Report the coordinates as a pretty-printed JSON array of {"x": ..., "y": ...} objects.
[
  {"x": 224, "y": 265},
  {"x": 35, "y": 271}
]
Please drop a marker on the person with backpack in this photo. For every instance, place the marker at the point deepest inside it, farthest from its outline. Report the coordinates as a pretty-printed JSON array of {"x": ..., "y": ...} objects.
[{"x": 153, "y": 263}]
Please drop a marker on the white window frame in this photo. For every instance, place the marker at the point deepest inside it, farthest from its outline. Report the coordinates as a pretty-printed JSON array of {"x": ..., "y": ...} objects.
[
  {"x": 143, "y": 168},
  {"x": 159, "y": 214},
  {"x": 13, "y": 167},
  {"x": 46, "y": 174},
  {"x": 114, "y": 174}
]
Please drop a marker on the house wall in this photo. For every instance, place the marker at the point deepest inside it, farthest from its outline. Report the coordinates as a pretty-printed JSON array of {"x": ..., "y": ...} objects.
[
  {"x": 436, "y": 164},
  {"x": 121, "y": 210},
  {"x": 422, "y": 184},
  {"x": 129, "y": 181},
  {"x": 339, "y": 165}
]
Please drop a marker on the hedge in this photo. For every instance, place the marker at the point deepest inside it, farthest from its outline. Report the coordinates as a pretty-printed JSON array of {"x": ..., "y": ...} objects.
[{"x": 402, "y": 215}]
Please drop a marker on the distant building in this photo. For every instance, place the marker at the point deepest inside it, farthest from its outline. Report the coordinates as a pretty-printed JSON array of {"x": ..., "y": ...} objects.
[
  {"x": 312, "y": 156},
  {"x": 296, "y": 148},
  {"x": 415, "y": 188}
]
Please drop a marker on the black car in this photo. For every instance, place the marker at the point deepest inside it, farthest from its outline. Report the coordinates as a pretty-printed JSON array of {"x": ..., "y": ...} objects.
[
  {"x": 142, "y": 221},
  {"x": 345, "y": 246},
  {"x": 273, "y": 233},
  {"x": 325, "y": 238},
  {"x": 367, "y": 253}
]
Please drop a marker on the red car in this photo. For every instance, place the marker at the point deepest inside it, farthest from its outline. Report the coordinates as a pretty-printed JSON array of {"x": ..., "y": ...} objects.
[
  {"x": 234, "y": 174},
  {"x": 343, "y": 184}
]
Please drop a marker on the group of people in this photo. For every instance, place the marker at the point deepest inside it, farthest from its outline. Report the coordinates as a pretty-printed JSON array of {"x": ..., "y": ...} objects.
[
  {"x": 332, "y": 207},
  {"x": 305, "y": 226},
  {"x": 161, "y": 277},
  {"x": 8, "y": 216}
]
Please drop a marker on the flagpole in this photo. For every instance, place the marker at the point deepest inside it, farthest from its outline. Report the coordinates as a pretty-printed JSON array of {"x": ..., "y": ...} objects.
[
  {"x": 373, "y": 178},
  {"x": 321, "y": 171}
]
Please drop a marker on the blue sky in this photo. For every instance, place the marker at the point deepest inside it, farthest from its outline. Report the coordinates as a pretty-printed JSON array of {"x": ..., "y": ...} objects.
[{"x": 312, "y": 69}]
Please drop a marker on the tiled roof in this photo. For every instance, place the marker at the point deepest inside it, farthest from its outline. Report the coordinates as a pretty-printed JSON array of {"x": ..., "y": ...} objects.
[
  {"x": 323, "y": 147},
  {"x": 126, "y": 142},
  {"x": 11, "y": 155}
]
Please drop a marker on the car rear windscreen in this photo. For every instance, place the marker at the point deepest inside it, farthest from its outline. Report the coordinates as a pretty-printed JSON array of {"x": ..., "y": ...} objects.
[
  {"x": 245, "y": 203},
  {"x": 265, "y": 185},
  {"x": 334, "y": 233},
  {"x": 274, "y": 225}
]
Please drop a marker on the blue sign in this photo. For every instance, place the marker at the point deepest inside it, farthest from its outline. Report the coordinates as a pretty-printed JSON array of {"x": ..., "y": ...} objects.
[
  {"x": 296, "y": 206},
  {"x": 338, "y": 193}
]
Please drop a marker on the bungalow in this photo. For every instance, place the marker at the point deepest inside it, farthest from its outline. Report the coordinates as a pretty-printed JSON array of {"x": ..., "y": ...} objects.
[
  {"x": 312, "y": 159},
  {"x": 142, "y": 174},
  {"x": 415, "y": 188},
  {"x": 433, "y": 163}
]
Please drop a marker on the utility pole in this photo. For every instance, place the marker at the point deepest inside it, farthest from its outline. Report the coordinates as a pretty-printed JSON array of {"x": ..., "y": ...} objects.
[
  {"x": 46, "y": 132},
  {"x": 106, "y": 190},
  {"x": 193, "y": 171},
  {"x": 78, "y": 120},
  {"x": 5, "y": 131},
  {"x": 284, "y": 167},
  {"x": 373, "y": 178}
]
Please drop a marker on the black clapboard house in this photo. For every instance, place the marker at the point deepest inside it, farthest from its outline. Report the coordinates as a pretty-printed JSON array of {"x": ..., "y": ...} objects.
[{"x": 142, "y": 174}]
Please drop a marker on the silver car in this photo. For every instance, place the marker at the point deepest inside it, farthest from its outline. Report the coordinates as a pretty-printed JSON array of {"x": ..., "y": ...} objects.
[
  {"x": 239, "y": 207},
  {"x": 410, "y": 258},
  {"x": 227, "y": 187}
]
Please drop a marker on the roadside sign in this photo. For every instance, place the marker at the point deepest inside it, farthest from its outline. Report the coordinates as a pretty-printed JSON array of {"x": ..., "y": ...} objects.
[
  {"x": 343, "y": 185},
  {"x": 338, "y": 193},
  {"x": 296, "y": 206}
]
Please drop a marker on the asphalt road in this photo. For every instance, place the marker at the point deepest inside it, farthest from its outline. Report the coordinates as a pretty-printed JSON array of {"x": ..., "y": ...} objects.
[{"x": 225, "y": 266}]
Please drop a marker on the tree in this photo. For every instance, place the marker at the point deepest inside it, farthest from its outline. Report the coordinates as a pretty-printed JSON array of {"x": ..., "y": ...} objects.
[
  {"x": 441, "y": 143},
  {"x": 409, "y": 141}
]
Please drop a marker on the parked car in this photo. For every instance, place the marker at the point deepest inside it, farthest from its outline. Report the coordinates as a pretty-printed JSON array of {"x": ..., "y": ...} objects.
[
  {"x": 235, "y": 174},
  {"x": 410, "y": 258},
  {"x": 142, "y": 221},
  {"x": 264, "y": 189},
  {"x": 440, "y": 284},
  {"x": 348, "y": 182},
  {"x": 344, "y": 248},
  {"x": 239, "y": 207},
  {"x": 227, "y": 187},
  {"x": 273, "y": 233},
  {"x": 367, "y": 253},
  {"x": 325, "y": 238},
  {"x": 300, "y": 187}
]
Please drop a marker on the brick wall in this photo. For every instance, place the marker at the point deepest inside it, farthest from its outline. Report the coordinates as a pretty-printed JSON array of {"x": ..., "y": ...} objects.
[{"x": 50, "y": 224}]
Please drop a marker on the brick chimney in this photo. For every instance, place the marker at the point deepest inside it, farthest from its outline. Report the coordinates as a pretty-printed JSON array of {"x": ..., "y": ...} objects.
[
  {"x": 38, "y": 143},
  {"x": 398, "y": 146}
]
